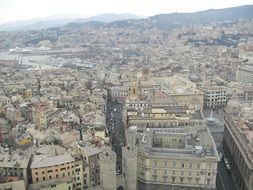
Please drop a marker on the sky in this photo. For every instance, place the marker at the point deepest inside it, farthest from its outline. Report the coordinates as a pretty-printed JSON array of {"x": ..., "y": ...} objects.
[{"x": 12, "y": 10}]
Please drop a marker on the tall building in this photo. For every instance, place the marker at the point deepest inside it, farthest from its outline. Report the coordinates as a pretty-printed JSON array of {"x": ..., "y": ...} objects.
[
  {"x": 129, "y": 167},
  {"x": 108, "y": 169},
  {"x": 178, "y": 158},
  {"x": 145, "y": 74},
  {"x": 91, "y": 156},
  {"x": 238, "y": 142},
  {"x": 134, "y": 90},
  {"x": 180, "y": 154},
  {"x": 244, "y": 75}
]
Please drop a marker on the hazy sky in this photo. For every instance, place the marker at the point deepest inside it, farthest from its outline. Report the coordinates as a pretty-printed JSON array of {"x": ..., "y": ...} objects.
[{"x": 11, "y": 10}]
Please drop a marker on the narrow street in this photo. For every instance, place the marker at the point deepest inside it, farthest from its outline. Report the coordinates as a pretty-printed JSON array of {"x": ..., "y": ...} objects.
[
  {"x": 116, "y": 129},
  {"x": 224, "y": 179}
]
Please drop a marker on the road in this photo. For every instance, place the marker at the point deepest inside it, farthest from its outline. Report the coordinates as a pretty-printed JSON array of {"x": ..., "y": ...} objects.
[
  {"x": 224, "y": 180},
  {"x": 116, "y": 128}
]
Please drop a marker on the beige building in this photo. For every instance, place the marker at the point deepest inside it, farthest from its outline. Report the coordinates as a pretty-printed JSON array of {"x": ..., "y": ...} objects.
[
  {"x": 41, "y": 113},
  {"x": 162, "y": 117},
  {"x": 180, "y": 158},
  {"x": 238, "y": 142},
  {"x": 54, "y": 184},
  {"x": 44, "y": 168},
  {"x": 91, "y": 157},
  {"x": 14, "y": 166},
  {"x": 14, "y": 185}
]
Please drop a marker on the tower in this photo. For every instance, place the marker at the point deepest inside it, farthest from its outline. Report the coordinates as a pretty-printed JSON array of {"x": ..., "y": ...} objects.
[
  {"x": 134, "y": 90},
  {"x": 145, "y": 73},
  {"x": 108, "y": 169},
  {"x": 129, "y": 167}
]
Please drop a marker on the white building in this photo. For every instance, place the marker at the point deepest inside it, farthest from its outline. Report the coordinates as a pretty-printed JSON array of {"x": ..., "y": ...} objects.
[{"x": 244, "y": 75}]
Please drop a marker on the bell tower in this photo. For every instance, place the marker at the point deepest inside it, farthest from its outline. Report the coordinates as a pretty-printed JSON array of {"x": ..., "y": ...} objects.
[{"x": 134, "y": 90}]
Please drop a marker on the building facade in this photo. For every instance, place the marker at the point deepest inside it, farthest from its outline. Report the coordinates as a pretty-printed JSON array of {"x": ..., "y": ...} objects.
[
  {"x": 244, "y": 75},
  {"x": 238, "y": 145},
  {"x": 215, "y": 96}
]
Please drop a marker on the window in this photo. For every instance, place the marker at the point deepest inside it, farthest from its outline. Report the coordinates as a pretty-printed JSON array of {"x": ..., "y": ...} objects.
[
  {"x": 182, "y": 165},
  {"x": 155, "y": 171},
  {"x": 174, "y": 164},
  {"x": 50, "y": 177},
  {"x": 37, "y": 179},
  {"x": 181, "y": 180},
  {"x": 78, "y": 170},
  {"x": 165, "y": 171},
  {"x": 57, "y": 175},
  {"x": 173, "y": 179},
  {"x": 154, "y": 163},
  {"x": 190, "y": 165},
  {"x": 165, "y": 163},
  {"x": 63, "y": 175}
]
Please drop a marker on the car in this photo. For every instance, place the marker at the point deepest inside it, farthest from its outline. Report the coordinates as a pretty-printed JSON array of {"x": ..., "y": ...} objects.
[
  {"x": 228, "y": 167},
  {"x": 225, "y": 160}
]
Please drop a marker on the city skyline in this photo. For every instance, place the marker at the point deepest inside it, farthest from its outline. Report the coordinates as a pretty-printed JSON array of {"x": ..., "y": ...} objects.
[{"x": 14, "y": 10}]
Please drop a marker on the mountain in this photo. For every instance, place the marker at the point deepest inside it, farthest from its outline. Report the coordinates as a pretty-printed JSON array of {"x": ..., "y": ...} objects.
[
  {"x": 107, "y": 18},
  {"x": 163, "y": 21},
  {"x": 213, "y": 15},
  {"x": 173, "y": 20},
  {"x": 61, "y": 20}
]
